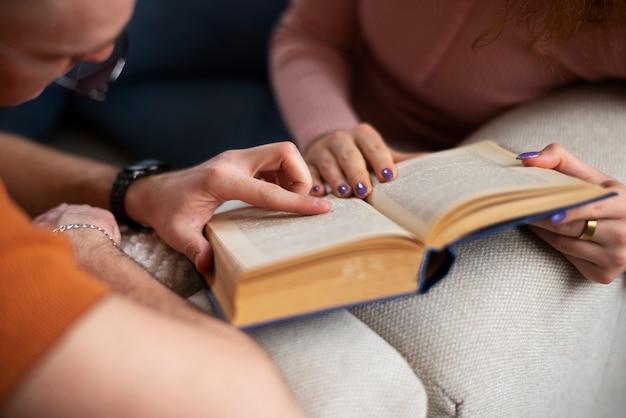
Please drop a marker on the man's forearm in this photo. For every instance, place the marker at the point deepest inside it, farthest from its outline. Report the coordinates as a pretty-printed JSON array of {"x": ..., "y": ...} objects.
[
  {"x": 39, "y": 177},
  {"x": 128, "y": 278}
]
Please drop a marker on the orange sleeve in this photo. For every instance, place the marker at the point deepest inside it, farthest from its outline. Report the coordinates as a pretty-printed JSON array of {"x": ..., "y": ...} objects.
[{"x": 42, "y": 292}]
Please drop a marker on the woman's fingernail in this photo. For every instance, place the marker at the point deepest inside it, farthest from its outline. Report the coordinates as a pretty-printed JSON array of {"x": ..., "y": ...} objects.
[
  {"x": 557, "y": 217},
  {"x": 361, "y": 189},
  {"x": 387, "y": 173},
  {"x": 316, "y": 189},
  {"x": 525, "y": 155},
  {"x": 343, "y": 189}
]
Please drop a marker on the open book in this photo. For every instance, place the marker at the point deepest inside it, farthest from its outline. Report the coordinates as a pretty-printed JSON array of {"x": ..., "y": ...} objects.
[{"x": 272, "y": 265}]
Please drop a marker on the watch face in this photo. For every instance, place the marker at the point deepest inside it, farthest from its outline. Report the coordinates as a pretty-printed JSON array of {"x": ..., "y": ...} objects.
[{"x": 144, "y": 165}]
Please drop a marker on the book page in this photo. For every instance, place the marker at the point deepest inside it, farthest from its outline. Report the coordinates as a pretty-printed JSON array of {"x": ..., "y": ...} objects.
[
  {"x": 430, "y": 185},
  {"x": 259, "y": 237}
]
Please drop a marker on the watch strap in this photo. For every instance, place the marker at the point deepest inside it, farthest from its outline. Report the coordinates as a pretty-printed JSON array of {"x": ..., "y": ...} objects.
[{"x": 123, "y": 180}]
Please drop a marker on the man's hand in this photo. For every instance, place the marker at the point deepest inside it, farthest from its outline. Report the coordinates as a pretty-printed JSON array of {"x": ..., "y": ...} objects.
[{"x": 179, "y": 204}]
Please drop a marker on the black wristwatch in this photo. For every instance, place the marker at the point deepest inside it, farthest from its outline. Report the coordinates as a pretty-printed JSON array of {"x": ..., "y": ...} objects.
[{"x": 122, "y": 182}]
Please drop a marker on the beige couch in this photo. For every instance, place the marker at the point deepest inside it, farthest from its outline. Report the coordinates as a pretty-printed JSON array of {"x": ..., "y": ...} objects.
[{"x": 513, "y": 330}]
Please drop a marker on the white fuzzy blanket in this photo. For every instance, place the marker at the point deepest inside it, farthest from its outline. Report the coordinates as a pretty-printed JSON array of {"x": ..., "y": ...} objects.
[{"x": 170, "y": 267}]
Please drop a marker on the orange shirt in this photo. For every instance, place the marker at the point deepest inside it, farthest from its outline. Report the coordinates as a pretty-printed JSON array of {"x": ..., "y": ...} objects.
[{"x": 42, "y": 292}]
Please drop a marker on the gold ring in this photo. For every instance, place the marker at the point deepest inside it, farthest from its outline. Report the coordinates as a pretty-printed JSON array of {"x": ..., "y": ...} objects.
[{"x": 590, "y": 228}]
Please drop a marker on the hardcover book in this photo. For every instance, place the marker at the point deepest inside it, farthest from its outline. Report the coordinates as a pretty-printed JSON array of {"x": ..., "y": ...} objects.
[{"x": 271, "y": 265}]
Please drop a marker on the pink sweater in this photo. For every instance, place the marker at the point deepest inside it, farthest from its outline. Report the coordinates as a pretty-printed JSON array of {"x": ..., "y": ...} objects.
[{"x": 409, "y": 68}]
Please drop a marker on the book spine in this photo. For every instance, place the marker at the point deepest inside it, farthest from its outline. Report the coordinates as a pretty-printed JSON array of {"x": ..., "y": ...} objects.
[{"x": 215, "y": 305}]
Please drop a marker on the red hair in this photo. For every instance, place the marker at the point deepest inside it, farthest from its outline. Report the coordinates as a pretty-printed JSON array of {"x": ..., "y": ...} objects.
[
  {"x": 555, "y": 20},
  {"x": 561, "y": 19}
]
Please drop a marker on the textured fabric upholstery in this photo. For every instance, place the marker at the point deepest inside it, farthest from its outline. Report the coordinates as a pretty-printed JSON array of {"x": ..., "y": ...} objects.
[
  {"x": 514, "y": 330},
  {"x": 338, "y": 367}
]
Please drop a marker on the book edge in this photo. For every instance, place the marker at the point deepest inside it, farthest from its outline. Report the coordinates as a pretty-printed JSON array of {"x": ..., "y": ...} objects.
[{"x": 449, "y": 252}]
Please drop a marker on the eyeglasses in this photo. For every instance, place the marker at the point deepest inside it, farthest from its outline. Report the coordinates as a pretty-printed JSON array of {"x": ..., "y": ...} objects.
[{"x": 90, "y": 79}]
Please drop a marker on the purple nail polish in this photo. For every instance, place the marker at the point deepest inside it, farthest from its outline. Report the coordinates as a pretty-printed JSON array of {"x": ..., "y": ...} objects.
[
  {"x": 387, "y": 173},
  {"x": 361, "y": 189},
  {"x": 316, "y": 189},
  {"x": 525, "y": 155},
  {"x": 557, "y": 217},
  {"x": 343, "y": 189}
]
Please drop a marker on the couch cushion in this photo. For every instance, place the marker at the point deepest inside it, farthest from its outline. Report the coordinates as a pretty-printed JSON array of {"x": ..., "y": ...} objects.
[
  {"x": 515, "y": 330},
  {"x": 338, "y": 367}
]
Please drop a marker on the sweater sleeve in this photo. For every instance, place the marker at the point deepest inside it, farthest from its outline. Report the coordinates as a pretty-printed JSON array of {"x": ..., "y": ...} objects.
[
  {"x": 310, "y": 67},
  {"x": 42, "y": 292}
]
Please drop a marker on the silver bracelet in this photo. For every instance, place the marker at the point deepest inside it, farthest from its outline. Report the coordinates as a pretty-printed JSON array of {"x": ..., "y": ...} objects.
[{"x": 62, "y": 228}]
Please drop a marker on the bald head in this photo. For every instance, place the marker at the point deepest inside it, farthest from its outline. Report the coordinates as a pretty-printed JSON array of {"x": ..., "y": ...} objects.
[
  {"x": 73, "y": 17},
  {"x": 21, "y": 12}
]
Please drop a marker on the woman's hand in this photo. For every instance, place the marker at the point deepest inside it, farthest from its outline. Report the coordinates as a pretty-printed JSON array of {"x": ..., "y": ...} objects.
[
  {"x": 602, "y": 257},
  {"x": 179, "y": 204},
  {"x": 341, "y": 159}
]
